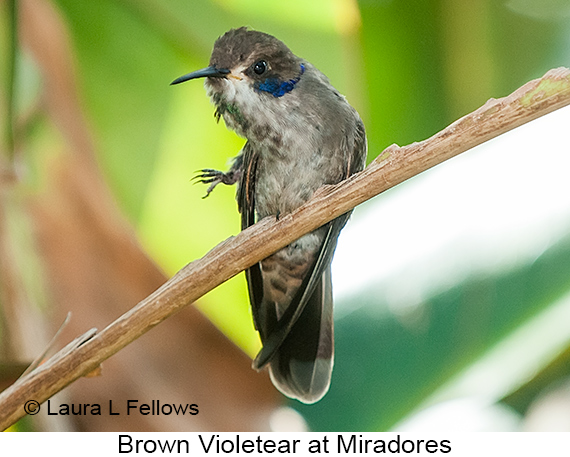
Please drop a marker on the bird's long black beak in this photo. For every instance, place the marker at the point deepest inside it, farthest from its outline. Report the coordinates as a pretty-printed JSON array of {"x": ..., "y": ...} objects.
[{"x": 209, "y": 72}]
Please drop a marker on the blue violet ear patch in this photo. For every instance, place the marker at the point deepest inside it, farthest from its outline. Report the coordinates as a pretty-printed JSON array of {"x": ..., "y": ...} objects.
[{"x": 279, "y": 88}]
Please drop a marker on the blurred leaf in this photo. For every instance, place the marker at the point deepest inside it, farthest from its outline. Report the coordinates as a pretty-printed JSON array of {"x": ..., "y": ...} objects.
[
  {"x": 403, "y": 59},
  {"x": 124, "y": 74},
  {"x": 386, "y": 367},
  {"x": 555, "y": 371}
]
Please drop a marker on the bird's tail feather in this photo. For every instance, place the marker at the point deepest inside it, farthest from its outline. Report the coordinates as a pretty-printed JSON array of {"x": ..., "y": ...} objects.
[{"x": 301, "y": 368}]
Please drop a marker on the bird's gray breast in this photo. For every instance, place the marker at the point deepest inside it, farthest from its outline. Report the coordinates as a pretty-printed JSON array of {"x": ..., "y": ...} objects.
[
  {"x": 298, "y": 153},
  {"x": 288, "y": 176},
  {"x": 302, "y": 139}
]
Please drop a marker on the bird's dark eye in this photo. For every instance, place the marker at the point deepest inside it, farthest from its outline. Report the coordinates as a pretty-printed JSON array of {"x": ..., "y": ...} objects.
[{"x": 260, "y": 67}]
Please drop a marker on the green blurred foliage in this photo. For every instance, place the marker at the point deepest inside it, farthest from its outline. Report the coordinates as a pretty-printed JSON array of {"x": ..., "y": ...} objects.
[
  {"x": 386, "y": 367},
  {"x": 410, "y": 68}
]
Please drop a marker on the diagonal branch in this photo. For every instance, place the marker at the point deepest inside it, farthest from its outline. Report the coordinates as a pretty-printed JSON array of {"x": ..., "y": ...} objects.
[{"x": 393, "y": 166}]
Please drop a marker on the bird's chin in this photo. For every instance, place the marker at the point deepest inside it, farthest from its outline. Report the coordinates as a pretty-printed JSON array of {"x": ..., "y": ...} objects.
[
  {"x": 214, "y": 85},
  {"x": 219, "y": 89}
]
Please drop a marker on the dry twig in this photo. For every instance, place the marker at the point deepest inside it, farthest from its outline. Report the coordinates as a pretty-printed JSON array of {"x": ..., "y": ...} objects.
[{"x": 393, "y": 166}]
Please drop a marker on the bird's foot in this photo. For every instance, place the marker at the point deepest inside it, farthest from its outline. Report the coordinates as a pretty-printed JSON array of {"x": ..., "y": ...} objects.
[{"x": 215, "y": 177}]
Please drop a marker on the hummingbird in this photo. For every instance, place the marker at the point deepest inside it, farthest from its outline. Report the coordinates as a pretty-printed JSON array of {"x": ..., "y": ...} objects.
[{"x": 301, "y": 134}]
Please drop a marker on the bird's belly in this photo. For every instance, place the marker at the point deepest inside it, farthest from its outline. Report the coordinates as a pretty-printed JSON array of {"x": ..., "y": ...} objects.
[
  {"x": 284, "y": 271},
  {"x": 282, "y": 186},
  {"x": 277, "y": 197}
]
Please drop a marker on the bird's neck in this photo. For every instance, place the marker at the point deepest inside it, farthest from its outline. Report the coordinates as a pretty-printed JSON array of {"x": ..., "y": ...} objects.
[
  {"x": 279, "y": 87},
  {"x": 257, "y": 111}
]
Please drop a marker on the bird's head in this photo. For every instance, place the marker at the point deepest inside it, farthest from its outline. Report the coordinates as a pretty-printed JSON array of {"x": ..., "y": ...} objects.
[{"x": 248, "y": 70}]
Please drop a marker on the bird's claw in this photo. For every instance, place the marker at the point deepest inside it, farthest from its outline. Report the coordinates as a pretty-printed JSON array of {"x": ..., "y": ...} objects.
[{"x": 213, "y": 177}]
